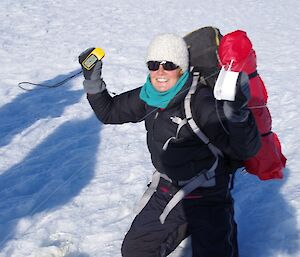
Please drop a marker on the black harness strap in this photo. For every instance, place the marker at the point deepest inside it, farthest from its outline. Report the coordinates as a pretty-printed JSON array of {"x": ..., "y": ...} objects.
[{"x": 253, "y": 74}]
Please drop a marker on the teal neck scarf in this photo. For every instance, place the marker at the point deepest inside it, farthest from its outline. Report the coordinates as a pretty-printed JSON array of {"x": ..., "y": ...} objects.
[{"x": 161, "y": 99}]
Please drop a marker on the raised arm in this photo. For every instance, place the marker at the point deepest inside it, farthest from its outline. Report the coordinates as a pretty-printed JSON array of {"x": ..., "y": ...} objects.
[{"x": 126, "y": 107}]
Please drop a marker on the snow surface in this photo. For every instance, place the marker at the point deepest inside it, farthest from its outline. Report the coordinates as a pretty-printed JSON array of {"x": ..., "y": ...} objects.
[{"x": 68, "y": 184}]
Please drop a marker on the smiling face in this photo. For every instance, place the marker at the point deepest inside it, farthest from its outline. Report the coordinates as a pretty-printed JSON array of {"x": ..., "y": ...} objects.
[{"x": 162, "y": 80}]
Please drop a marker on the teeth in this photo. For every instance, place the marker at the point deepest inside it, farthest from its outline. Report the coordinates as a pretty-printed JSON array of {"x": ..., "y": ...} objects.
[{"x": 162, "y": 79}]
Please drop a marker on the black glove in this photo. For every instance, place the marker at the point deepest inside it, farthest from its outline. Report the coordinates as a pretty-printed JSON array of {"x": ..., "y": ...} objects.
[
  {"x": 93, "y": 82},
  {"x": 237, "y": 111}
]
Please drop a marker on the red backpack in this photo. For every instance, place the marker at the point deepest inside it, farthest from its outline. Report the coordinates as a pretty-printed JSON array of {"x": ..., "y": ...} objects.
[
  {"x": 235, "y": 48},
  {"x": 269, "y": 162}
]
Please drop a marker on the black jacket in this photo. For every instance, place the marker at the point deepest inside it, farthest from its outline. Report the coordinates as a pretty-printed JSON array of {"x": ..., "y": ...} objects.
[{"x": 187, "y": 155}]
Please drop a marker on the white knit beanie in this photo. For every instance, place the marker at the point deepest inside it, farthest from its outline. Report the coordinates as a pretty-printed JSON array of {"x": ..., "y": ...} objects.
[{"x": 169, "y": 47}]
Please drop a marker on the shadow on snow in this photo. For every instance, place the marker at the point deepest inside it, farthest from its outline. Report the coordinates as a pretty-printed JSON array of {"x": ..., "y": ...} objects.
[
  {"x": 34, "y": 105},
  {"x": 57, "y": 169},
  {"x": 266, "y": 222}
]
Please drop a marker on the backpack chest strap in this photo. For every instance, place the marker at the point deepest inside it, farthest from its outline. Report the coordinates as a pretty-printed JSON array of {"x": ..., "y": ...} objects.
[{"x": 181, "y": 123}]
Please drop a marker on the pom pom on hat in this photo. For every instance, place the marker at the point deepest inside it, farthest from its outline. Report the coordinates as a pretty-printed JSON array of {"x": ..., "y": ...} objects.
[{"x": 169, "y": 47}]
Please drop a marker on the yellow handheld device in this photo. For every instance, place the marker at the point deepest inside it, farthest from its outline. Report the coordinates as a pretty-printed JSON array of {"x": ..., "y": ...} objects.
[{"x": 96, "y": 55}]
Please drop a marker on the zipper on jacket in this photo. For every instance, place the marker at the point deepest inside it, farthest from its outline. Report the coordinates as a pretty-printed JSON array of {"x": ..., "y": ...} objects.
[{"x": 154, "y": 121}]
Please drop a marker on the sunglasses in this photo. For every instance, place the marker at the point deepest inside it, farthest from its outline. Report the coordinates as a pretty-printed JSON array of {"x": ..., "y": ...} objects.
[{"x": 154, "y": 65}]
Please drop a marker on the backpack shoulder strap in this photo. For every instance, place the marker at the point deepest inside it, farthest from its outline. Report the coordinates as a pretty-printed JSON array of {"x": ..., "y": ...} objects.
[{"x": 190, "y": 120}]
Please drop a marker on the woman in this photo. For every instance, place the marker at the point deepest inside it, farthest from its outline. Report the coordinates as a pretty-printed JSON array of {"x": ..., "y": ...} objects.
[{"x": 178, "y": 155}]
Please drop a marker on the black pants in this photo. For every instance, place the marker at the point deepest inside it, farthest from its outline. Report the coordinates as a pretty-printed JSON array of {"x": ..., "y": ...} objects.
[{"x": 207, "y": 215}]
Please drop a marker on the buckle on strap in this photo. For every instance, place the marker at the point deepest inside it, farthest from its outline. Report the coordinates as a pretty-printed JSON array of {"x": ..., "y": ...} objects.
[{"x": 209, "y": 174}]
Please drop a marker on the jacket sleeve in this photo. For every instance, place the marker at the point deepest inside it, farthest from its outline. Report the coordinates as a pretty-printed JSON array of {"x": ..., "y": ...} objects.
[
  {"x": 126, "y": 107},
  {"x": 238, "y": 140},
  {"x": 244, "y": 138}
]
